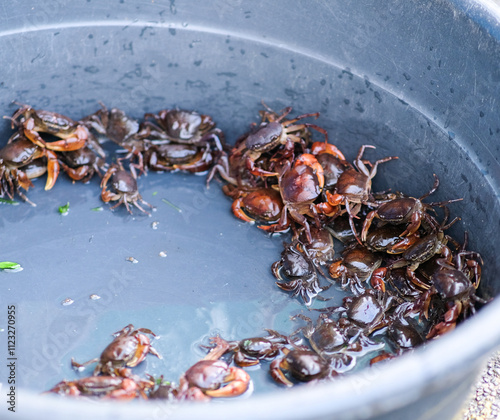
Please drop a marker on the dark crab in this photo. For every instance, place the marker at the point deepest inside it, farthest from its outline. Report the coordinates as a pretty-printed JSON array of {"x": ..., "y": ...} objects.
[
  {"x": 81, "y": 165},
  {"x": 356, "y": 266},
  {"x": 299, "y": 185},
  {"x": 183, "y": 127},
  {"x": 124, "y": 190},
  {"x": 250, "y": 351},
  {"x": 404, "y": 210},
  {"x": 261, "y": 205},
  {"x": 275, "y": 136},
  {"x": 369, "y": 311},
  {"x": 275, "y": 132},
  {"x": 302, "y": 364},
  {"x": 14, "y": 158},
  {"x": 129, "y": 348},
  {"x": 456, "y": 285},
  {"x": 354, "y": 186},
  {"x": 178, "y": 157},
  {"x": 115, "y": 124},
  {"x": 296, "y": 273},
  {"x": 321, "y": 248}
]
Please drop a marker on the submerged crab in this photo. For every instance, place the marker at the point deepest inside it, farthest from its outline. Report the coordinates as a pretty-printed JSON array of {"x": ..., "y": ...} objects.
[
  {"x": 297, "y": 274},
  {"x": 129, "y": 348},
  {"x": 206, "y": 378},
  {"x": 112, "y": 387},
  {"x": 356, "y": 266},
  {"x": 302, "y": 364}
]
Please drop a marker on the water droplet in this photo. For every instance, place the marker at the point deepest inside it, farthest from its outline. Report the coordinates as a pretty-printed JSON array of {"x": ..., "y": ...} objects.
[{"x": 67, "y": 302}]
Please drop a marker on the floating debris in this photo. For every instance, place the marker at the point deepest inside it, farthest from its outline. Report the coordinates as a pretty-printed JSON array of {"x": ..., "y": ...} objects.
[
  {"x": 154, "y": 225},
  {"x": 9, "y": 265},
  {"x": 162, "y": 254},
  {"x": 171, "y": 205},
  {"x": 97, "y": 208},
  {"x": 132, "y": 260},
  {"x": 94, "y": 296},
  {"x": 7, "y": 201},
  {"x": 64, "y": 210},
  {"x": 67, "y": 302}
]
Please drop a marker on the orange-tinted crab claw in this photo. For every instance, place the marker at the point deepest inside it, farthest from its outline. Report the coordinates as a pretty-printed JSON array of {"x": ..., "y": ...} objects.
[
  {"x": 334, "y": 199},
  {"x": 53, "y": 169},
  {"x": 323, "y": 147},
  {"x": 75, "y": 141},
  {"x": 238, "y": 380},
  {"x": 238, "y": 212},
  {"x": 311, "y": 161}
]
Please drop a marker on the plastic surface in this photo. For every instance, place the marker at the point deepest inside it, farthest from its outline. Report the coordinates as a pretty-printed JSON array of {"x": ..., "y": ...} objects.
[{"x": 418, "y": 80}]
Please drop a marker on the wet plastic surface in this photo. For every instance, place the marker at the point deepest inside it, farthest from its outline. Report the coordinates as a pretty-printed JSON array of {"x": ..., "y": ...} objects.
[{"x": 418, "y": 81}]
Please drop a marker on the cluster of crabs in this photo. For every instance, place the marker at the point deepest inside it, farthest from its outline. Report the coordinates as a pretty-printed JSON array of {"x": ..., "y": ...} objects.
[
  {"x": 112, "y": 378},
  {"x": 48, "y": 142},
  {"x": 407, "y": 280}
]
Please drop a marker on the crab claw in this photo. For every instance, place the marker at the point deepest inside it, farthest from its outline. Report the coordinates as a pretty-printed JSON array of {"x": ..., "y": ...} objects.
[
  {"x": 239, "y": 213},
  {"x": 53, "y": 169},
  {"x": 238, "y": 383}
]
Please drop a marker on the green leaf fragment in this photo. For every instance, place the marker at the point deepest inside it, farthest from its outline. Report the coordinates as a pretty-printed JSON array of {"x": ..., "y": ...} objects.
[
  {"x": 97, "y": 209},
  {"x": 171, "y": 205},
  {"x": 7, "y": 201},
  {"x": 64, "y": 209},
  {"x": 8, "y": 265}
]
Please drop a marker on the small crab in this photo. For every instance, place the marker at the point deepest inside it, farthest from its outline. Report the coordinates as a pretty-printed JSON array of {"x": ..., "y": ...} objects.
[
  {"x": 302, "y": 364},
  {"x": 369, "y": 310},
  {"x": 184, "y": 127},
  {"x": 205, "y": 379},
  {"x": 356, "y": 266},
  {"x": 321, "y": 248},
  {"x": 404, "y": 210},
  {"x": 178, "y": 157},
  {"x": 115, "y": 124},
  {"x": 326, "y": 336},
  {"x": 332, "y": 161},
  {"x": 124, "y": 188},
  {"x": 250, "y": 351},
  {"x": 81, "y": 164},
  {"x": 354, "y": 186},
  {"x": 14, "y": 158},
  {"x": 297, "y": 274},
  {"x": 72, "y": 135},
  {"x": 454, "y": 285},
  {"x": 274, "y": 136},
  {"x": 276, "y": 132},
  {"x": 261, "y": 204},
  {"x": 300, "y": 185},
  {"x": 129, "y": 348},
  {"x": 106, "y": 387},
  {"x": 389, "y": 239}
]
